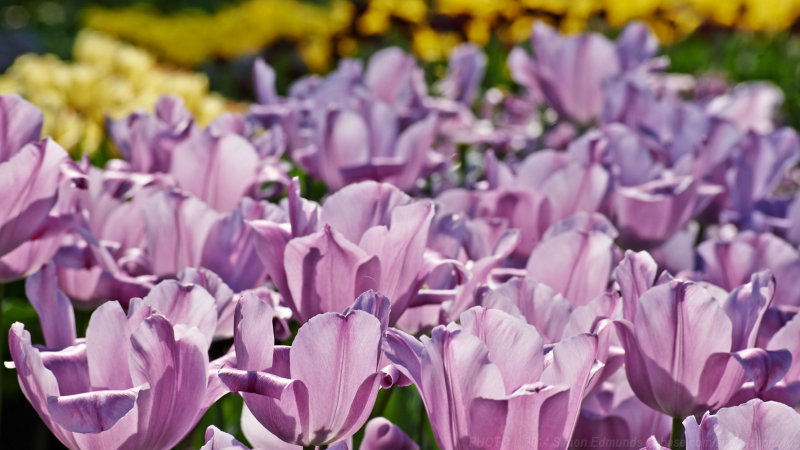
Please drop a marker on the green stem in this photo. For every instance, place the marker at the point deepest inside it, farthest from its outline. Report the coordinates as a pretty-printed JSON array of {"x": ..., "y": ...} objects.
[{"x": 676, "y": 441}]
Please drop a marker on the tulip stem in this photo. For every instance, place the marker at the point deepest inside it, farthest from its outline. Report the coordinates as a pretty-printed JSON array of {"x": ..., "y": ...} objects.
[{"x": 676, "y": 441}]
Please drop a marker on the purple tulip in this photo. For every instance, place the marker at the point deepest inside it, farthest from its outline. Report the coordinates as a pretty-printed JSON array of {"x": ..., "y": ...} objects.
[
  {"x": 20, "y": 124},
  {"x": 218, "y": 170},
  {"x": 30, "y": 182},
  {"x": 756, "y": 169},
  {"x": 380, "y": 434},
  {"x": 355, "y": 125},
  {"x": 730, "y": 262},
  {"x": 465, "y": 69},
  {"x": 229, "y": 248},
  {"x": 685, "y": 351},
  {"x": 148, "y": 141},
  {"x": 217, "y": 439},
  {"x": 582, "y": 244},
  {"x": 372, "y": 236},
  {"x": 322, "y": 388},
  {"x": 536, "y": 302},
  {"x": 570, "y": 71},
  {"x": 614, "y": 418},
  {"x": 755, "y": 424},
  {"x": 675, "y": 128},
  {"x": 751, "y": 106},
  {"x": 775, "y": 370},
  {"x": 649, "y": 214},
  {"x": 176, "y": 228},
  {"x": 491, "y": 213},
  {"x": 136, "y": 381},
  {"x": 35, "y": 178},
  {"x": 480, "y": 394}
]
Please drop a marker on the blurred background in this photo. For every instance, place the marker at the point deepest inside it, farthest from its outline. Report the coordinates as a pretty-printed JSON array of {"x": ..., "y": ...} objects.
[{"x": 82, "y": 61}]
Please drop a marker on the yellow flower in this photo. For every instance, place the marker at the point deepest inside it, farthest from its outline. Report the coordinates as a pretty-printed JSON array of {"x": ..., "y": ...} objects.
[
  {"x": 430, "y": 45},
  {"x": 107, "y": 78},
  {"x": 232, "y": 31}
]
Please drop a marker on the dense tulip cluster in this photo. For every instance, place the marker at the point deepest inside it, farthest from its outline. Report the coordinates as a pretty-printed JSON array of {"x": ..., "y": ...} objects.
[{"x": 529, "y": 262}]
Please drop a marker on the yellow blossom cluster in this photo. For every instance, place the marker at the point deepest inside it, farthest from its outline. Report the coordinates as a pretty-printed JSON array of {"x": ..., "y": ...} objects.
[
  {"x": 435, "y": 26},
  {"x": 191, "y": 37},
  {"x": 511, "y": 20},
  {"x": 106, "y": 78}
]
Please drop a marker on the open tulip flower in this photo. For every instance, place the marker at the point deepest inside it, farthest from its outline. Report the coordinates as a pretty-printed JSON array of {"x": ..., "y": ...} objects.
[
  {"x": 139, "y": 380},
  {"x": 489, "y": 384},
  {"x": 755, "y": 424},
  {"x": 366, "y": 236},
  {"x": 686, "y": 352},
  {"x": 358, "y": 124},
  {"x": 33, "y": 174},
  {"x": 322, "y": 388}
]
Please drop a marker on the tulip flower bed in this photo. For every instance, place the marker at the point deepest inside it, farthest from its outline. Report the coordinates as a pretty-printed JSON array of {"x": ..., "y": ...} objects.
[{"x": 606, "y": 258}]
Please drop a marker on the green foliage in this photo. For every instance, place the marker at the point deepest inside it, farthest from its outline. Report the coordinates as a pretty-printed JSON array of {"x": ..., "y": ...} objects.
[{"x": 743, "y": 56}]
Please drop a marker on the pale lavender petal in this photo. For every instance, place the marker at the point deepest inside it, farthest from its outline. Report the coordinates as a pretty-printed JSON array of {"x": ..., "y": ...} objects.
[
  {"x": 388, "y": 72},
  {"x": 176, "y": 229},
  {"x": 303, "y": 214},
  {"x": 764, "y": 368},
  {"x": 253, "y": 336},
  {"x": 501, "y": 332},
  {"x": 230, "y": 251},
  {"x": 107, "y": 348},
  {"x": 334, "y": 350},
  {"x": 91, "y": 412},
  {"x": 264, "y": 82},
  {"x": 575, "y": 264},
  {"x": 756, "y": 423},
  {"x": 20, "y": 124},
  {"x": 648, "y": 215},
  {"x": 217, "y": 439},
  {"x": 29, "y": 181},
  {"x": 573, "y": 363},
  {"x": 751, "y": 106},
  {"x": 37, "y": 250},
  {"x": 270, "y": 242},
  {"x": 787, "y": 338},
  {"x": 636, "y": 45},
  {"x": 465, "y": 69},
  {"x": 326, "y": 273},
  {"x": 636, "y": 273},
  {"x": 175, "y": 367},
  {"x": 218, "y": 171},
  {"x": 373, "y": 303},
  {"x": 400, "y": 249},
  {"x": 381, "y": 434},
  {"x": 259, "y": 436},
  {"x": 358, "y": 207},
  {"x": 222, "y": 293},
  {"x": 539, "y": 304},
  {"x": 53, "y": 307},
  {"x": 36, "y": 381},
  {"x": 413, "y": 146},
  {"x": 186, "y": 304},
  {"x": 746, "y": 306}
]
